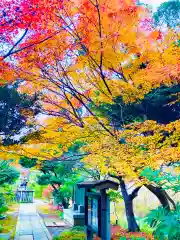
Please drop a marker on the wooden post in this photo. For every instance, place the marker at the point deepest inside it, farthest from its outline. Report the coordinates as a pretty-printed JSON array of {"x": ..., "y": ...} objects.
[
  {"x": 89, "y": 234},
  {"x": 73, "y": 195},
  {"x": 105, "y": 216}
]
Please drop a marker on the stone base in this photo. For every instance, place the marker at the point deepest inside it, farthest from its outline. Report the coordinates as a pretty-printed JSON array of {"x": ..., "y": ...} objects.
[{"x": 74, "y": 217}]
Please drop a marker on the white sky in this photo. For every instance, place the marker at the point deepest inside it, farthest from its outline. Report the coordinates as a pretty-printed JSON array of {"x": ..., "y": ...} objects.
[{"x": 154, "y": 3}]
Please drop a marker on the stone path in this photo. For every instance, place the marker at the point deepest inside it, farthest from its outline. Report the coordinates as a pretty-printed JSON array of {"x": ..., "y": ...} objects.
[{"x": 30, "y": 226}]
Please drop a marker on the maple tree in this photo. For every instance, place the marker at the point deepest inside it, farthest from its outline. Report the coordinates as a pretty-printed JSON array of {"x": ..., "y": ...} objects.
[
  {"x": 23, "y": 25},
  {"x": 86, "y": 53},
  {"x": 19, "y": 20}
]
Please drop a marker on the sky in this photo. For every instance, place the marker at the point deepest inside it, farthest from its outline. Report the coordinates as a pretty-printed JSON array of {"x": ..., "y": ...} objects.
[{"x": 154, "y": 3}]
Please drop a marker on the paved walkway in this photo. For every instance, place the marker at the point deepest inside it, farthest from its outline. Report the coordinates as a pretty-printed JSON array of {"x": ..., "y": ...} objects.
[{"x": 29, "y": 225}]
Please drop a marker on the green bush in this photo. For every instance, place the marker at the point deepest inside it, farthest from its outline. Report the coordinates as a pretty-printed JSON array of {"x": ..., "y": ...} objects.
[
  {"x": 8, "y": 173},
  {"x": 3, "y": 209},
  {"x": 28, "y": 162},
  {"x": 8, "y": 193},
  {"x": 3, "y": 206},
  {"x": 145, "y": 228},
  {"x": 166, "y": 223},
  {"x": 38, "y": 190},
  {"x": 1, "y": 228},
  {"x": 72, "y": 234}
]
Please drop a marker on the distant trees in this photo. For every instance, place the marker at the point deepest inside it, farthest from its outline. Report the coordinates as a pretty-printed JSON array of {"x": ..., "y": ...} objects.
[
  {"x": 8, "y": 173},
  {"x": 161, "y": 105},
  {"x": 8, "y": 176},
  {"x": 168, "y": 14},
  {"x": 59, "y": 173},
  {"x": 28, "y": 162},
  {"x": 61, "y": 178},
  {"x": 15, "y": 109}
]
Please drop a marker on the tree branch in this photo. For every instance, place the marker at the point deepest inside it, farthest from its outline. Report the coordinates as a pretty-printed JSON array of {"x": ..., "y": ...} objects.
[
  {"x": 15, "y": 45},
  {"x": 28, "y": 46},
  {"x": 134, "y": 193}
]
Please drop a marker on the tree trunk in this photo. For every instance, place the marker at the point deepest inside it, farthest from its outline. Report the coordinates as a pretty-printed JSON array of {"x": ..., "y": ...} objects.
[
  {"x": 128, "y": 201},
  {"x": 160, "y": 194},
  {"x": 132, "y": 224}
]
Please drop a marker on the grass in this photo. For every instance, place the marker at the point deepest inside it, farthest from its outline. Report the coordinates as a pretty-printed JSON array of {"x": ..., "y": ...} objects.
[
  {"x": 144, "y": 226},
  {"x": 9, "y": 223},
  {"x": 13, "y": 208},
  {"x": 75, "y": 233}
]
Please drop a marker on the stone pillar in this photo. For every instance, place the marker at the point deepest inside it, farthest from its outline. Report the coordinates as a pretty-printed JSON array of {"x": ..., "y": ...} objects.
[
  {"x": 75, "y": 207},
  {"x": 81, "y": 209}
]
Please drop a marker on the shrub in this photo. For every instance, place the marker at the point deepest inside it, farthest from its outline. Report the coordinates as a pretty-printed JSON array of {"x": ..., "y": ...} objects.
[
  {"x": 28, "y": 162},
  {"x": 1, "y": 228},
  {"x": 38, "y": 189},
  {"x": 3, "y": 206},
  {"x": 8, "y": 194},
  {"x": 8, "y": 174},
  {"x": 166, "y": 223},
  {"x": 72, "y": 234}
]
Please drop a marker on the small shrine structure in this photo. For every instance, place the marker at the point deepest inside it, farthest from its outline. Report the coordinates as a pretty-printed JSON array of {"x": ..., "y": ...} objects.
[{"x": 97, "y": 207}]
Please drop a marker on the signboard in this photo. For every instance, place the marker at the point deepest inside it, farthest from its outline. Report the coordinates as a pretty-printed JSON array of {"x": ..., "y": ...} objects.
[
  {"x": 97, "y": 207},
  {"x": 93, "y": 212}
]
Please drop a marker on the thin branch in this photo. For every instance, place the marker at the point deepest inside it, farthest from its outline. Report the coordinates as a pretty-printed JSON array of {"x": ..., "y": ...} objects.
[
  {"x": 28, "y": 46},
  {"x": 15, "y": 45},
  {"x": 101, "y": 47}
]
